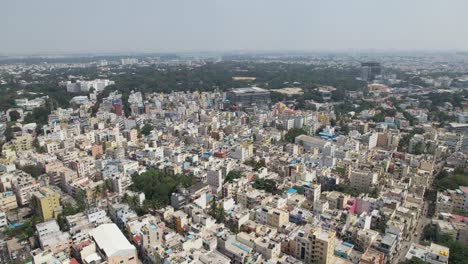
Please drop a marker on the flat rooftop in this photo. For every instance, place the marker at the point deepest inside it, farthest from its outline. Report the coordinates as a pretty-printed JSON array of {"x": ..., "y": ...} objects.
[
  {"x": 458, "y": 125},
  {"x": 249, "y": 90}
]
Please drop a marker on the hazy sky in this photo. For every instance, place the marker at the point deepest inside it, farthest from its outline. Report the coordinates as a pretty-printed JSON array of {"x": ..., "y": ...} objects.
[{"x": 61, "y": 26}]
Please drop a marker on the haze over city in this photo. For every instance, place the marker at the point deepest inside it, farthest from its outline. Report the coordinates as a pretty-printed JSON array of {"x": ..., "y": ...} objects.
[{"x": 53, "y": 26}]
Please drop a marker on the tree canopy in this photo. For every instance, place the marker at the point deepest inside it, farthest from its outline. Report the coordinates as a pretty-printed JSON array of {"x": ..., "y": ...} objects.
[
  {"x": 146, "y": 129},
  {"x": 291, "y": 135},
  {"x": 267, "y": 185},
  {"x": 159, "y": 186}
]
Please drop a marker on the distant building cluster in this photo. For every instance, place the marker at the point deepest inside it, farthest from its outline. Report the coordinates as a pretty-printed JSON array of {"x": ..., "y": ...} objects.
[
  {"x": 80, "y": 86},
  {"x": 371, "y": 71},
  {"x": 250, "y": 96},
  {"x": 128, "y": 61}
]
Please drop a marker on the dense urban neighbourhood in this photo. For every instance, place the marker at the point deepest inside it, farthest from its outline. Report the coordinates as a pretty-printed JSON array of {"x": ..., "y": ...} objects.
[{"x": 235, "y": 158}]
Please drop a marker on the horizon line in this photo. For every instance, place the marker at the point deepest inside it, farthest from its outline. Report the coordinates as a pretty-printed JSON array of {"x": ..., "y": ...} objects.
[{"x": 227, "y": 52}]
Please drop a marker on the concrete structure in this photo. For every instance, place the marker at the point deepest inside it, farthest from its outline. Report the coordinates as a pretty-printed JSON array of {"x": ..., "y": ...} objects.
[
  {"x": 48, "y": 203},
  {"x": 372, "y": 256},
  {"x": 23, "y": 186},
  {"x": 113, "y": 246},
  {"x": 315, "y": 245},
  {"x": 434, "y": 254},
  {"x": 362, "y": 180},
  {"x": 272, "y": 217},
  {"x": 51, "y": 238},
  {"x": 8, "y": 201},
  {"x": 370, "y": 71},
  {"x": 249, "y": 96},
  {"x": 309, "y": 142}
]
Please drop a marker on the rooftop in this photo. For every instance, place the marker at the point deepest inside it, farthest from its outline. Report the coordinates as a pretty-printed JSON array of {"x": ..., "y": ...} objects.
[
  {"x": 249, "y": 90},
  {"x": 111, "y": 240}
]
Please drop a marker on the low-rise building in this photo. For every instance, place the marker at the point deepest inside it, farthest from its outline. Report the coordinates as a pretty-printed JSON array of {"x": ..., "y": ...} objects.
[
  {"x": 8, "y": 201},
  {"x": 112, "y": 245}
]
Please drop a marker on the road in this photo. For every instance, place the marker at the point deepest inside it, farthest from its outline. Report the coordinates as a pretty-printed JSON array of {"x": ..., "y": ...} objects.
[{"x": 415, "y": 236}]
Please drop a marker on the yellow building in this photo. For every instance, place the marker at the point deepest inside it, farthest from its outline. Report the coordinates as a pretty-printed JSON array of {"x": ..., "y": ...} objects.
[
  {"x": 111, "y": 144},
  {"x": 8, "y": 201},
  {"x": 315, "y": 245},
  {"x": 8, "y": 153},
  {"x": 48, "y": 203},
  {"x": 23, "y": 143},
  {"x": 277, "y": 218}
]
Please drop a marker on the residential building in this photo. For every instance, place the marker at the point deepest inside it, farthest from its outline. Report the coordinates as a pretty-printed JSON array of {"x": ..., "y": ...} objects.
[{"x": 48, "y": 203}]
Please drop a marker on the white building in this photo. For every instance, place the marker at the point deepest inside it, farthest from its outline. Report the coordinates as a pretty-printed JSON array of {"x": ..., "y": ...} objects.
[
  {"x": 214, "y": 178},
  {"x": 112, "y": 245},
  {"x": 372, "y": 143},
  {"x": 362, "y": 179}
]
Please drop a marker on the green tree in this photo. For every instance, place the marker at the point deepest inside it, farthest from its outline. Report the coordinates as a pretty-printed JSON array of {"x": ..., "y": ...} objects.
[
  {"x": 220, "y": 214},
  {"x": 107, "y": 186},
  {"x": 338, "y": 95},
  {"x": 97, "y": 192},
  {"x": 34, "y": 205},
  {"x": 444, "y": 181},
  {"x": 69, "y": 209},
  {"x": 413, "y": 260},
  {"x": 403, "y": 144},
  {"x": 81, "y": 200},
  {"x": 234, "y": 228},
  {"x": 411, "y": 119},
  {"x": 234, "y": 174},
  {"x": 38, "y": 147},
  {"x": 9, "y": 133},
  {"x": 419, "y": 148},
  {"x": 38, "y": 115},
  {"x": 213, "y": 208},
  {"x": 458, "y": 251},
  {"x": 14, "y": 115},
  {"x": 291, "y": 135},
  {"x": 146, "y": 129},
  {"x": 299, "y": 189},
  {"x": 267, "y": 185},
  {"x": 33, "y": 170},
  {"x": 255, "y": 164},
  {"x": 62, "y": 222},
  {"x": 159, "y": 186}
]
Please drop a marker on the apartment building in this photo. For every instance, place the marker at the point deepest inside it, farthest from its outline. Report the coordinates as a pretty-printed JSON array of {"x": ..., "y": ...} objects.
[
  {"x": 8, "y": 201},
  {"x": 315, "y": 245},
  {"x": 48, "y": 203},
  {"x": 23, "y": 143},
  {"x": 362, "y": 179},
  {"x": 23, "y": 186},
  {"x": 84, "y": 166}
]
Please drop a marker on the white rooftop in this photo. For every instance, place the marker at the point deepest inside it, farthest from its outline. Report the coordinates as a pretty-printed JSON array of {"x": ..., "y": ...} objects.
[
  {"x": 111, "y": 240},
  {"x": 249, "y": 90}
]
